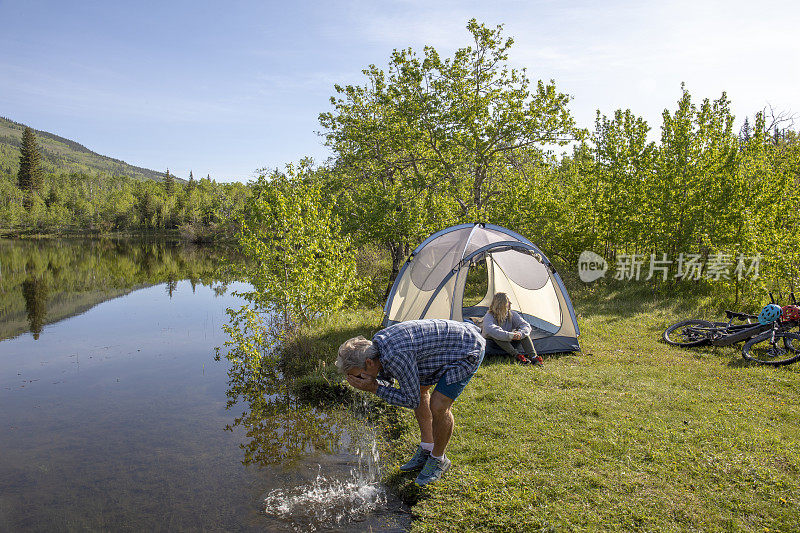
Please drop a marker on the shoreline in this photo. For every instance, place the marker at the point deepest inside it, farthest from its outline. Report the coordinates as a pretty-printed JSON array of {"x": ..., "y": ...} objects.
[{"x": 164, "y": 235}]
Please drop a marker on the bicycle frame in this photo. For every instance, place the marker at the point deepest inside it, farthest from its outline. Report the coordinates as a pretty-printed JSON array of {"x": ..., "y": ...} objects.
[{"x": 741, "y": 335}]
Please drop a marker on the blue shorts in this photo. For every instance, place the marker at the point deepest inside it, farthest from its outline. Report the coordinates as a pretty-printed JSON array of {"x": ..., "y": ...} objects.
[{"x": 454, "y": 389}]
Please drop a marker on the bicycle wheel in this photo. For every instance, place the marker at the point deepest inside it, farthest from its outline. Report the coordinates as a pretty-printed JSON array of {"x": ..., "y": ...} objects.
[
  {"x": 688, "y": 333},
  {"x": 777, "y": 350}
]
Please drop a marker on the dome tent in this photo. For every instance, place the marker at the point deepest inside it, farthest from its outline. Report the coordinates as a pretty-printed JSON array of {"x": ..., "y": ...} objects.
[{"x": 432, "y": 281}]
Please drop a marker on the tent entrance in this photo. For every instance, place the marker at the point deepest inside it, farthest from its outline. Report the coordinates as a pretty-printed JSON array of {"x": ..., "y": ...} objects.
[
  {"x": 477, "y": 290},
  {"x": 477, "y": 284},
  {"x": 485, "y": 276}
]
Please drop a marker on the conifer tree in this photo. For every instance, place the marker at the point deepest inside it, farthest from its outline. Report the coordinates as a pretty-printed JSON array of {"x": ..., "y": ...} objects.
[
  {"x": 192, "y": 183},
  {"x": 746, "y": 133},
  {"x": 169, "y": 183},
  {"x": 30, "y": 176}
]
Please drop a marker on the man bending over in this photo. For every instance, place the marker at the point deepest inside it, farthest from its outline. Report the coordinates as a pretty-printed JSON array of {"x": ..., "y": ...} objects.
[{"x": 418, "y": 354}]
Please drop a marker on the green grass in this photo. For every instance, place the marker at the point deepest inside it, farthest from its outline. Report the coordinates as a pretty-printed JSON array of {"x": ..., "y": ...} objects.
[{"x": 631, "y": 435}]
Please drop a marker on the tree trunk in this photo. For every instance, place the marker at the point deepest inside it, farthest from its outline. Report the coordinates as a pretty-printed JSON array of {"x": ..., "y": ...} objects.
[
  {"x": 399, "y": 251},
  {"x": 477, "y": 186}
]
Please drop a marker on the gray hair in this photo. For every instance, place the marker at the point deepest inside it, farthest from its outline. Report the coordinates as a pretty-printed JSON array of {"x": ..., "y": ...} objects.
[{"x": 354, "y": 352}]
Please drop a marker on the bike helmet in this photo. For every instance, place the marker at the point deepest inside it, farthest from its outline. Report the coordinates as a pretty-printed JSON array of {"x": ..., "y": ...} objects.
[
  {"x": 790, "y": 313},
  {"x": 769, "y": 314}
]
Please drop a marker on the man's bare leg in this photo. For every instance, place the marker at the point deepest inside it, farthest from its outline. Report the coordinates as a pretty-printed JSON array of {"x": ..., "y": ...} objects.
[
  {"x": 424, "y": 415},
  {"x": 443, "y": 422}
]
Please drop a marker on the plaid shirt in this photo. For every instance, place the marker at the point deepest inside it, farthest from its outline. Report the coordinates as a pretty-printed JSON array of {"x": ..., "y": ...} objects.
[{"x": 419, "y": 352}]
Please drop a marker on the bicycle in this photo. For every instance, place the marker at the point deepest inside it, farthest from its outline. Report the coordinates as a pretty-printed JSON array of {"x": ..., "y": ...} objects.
[{"x": 694, "y": 332}]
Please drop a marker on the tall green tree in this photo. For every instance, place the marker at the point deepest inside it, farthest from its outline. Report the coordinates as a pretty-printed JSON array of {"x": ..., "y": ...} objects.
[
  {"x": 621, "y": 176},
  {"x": 169, "y": 183},
  {"x": 695, "y": 202},
  {"x": 31, "y": 173}
]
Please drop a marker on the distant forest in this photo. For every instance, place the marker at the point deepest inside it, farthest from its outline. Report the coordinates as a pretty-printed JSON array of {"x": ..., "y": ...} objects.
[{"x": 59, "y": 186}]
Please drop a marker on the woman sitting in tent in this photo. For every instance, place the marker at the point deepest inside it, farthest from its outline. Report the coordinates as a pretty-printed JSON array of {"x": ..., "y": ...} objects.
[{"x": 509, "y": 330}]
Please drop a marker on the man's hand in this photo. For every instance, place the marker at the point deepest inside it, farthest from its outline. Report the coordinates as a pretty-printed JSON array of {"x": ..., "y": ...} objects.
[{"x": 363, "y": 382}]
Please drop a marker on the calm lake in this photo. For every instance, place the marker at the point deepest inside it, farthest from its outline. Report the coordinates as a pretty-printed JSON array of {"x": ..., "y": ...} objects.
[{"x": 114, "y": 414}]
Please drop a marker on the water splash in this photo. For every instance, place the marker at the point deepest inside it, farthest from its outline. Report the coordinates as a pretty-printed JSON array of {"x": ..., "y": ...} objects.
[
  {"x": 325, "y": 502},
  {"x": 329, "y": 501}
]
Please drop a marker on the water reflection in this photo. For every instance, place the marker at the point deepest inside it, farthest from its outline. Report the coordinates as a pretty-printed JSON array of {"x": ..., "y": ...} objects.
[
  {"x": 114, "y": 412},
  {"x": 344, "y": 495},
  {"x": 34, "y": 290},
  {"x": 43, "y": 282},
  {"x": 280, "y": 431},
  {"x": 280, "y": 428}
]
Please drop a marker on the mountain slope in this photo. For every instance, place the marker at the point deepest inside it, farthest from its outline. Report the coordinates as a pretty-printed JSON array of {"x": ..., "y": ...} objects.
[{"x": 63, "y": 155}]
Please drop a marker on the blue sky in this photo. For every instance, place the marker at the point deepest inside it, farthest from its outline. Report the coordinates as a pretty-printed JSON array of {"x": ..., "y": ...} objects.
[{"x": 228, "y": 88}]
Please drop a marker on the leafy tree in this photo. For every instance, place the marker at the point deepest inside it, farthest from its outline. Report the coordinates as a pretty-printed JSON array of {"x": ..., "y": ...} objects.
[
  {"x": 772, "y": 175},
  {"x": 691, "y": 200},
  {"x": 11, "y": 204},
  {"x": 622, "y": 175},
  {"x": 430, "y": 141},
  {"x": 301, "y": 264},
  {"x": 146, "y": 207}
]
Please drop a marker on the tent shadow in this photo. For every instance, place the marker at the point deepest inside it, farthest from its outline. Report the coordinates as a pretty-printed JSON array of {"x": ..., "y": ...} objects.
[
  {"x": 559, "y": 355},
  {"x": 493, "y": 360},
  {"x": 507, "y": 360}
]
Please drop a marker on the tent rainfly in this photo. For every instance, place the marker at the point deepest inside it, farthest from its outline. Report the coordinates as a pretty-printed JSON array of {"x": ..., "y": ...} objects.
[{"x": 431, "y": 283}]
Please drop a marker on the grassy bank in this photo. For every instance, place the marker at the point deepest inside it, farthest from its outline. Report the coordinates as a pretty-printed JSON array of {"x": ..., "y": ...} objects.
[
  {"x": 218, "y": 234},
  {"x": 630, "y": 435}
]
